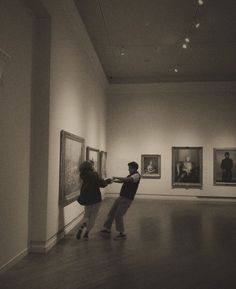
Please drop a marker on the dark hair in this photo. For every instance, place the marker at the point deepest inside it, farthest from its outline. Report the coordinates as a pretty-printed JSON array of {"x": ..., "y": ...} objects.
[
  {"x": 133, "y": 165},
  {"x": 85, "y": 166},
  {"x": 227, "y": 154}
]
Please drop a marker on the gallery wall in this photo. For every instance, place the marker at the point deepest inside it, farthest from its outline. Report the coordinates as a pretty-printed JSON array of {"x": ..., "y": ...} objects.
[
  {"x": 150, "y": 119},
  {"x": 77, "y": 104},
  {"x": 53, "y": 82},
  {"x": 15, "y": 99}
]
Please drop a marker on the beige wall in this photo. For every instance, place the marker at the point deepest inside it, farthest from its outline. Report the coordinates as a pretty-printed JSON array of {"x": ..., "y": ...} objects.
[
  {"x": 54, "y": 81},
  {"x": 77, "y": 101},
  {"x": 15, "y": 101},
  {"x": 150, "y": 119}
]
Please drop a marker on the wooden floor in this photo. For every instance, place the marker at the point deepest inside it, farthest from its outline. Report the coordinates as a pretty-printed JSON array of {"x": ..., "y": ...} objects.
[{"x": 170, "y": 245}]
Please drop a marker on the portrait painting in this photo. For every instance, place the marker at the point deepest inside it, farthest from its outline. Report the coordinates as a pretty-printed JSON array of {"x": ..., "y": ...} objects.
[
  {"x": 225, "y": 166},
  {"x": 151, "y": 166},
  {"x": 187, "y": 167},
  {"x": 92, "y": 155},
  {"x": 71, "y": 156},
  {"x": 103, "y": 162}
]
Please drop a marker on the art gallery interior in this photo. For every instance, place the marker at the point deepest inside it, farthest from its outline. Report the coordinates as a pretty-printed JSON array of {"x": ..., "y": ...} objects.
[{"x": 121, "y": 75}]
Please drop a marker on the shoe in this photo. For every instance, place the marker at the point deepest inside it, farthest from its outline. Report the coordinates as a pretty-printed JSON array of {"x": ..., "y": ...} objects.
[
  {"x": 78, "y": 235},
  {"x": 85, "y": 236},
  {"x": 121, "y": 236},
  {"x": 105, "y": 231}
]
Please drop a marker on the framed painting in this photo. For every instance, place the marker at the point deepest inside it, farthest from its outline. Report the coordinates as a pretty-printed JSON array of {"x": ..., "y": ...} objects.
[
  {"x": 72, "y": 149},
  {"x": 151, "y": 166},
  {"x": 103, "y": 162},
  {"x": 92, "y": 155},
  {"x": 187, "y": 167},
  {"x": 225, "y": 166}
]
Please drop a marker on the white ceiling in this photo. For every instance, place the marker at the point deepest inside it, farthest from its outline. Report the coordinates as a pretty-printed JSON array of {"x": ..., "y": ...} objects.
[{"x": 150, "y": 34}]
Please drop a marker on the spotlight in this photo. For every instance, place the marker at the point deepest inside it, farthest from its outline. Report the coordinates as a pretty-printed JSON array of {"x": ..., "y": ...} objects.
[
  {"x": 176, "y": 70},
  {"x": 187, "y": 40},
  {"x": 184, "y": 46},
  {"x": 122, "y": 51},
  {"x": 197, "y": 25},
  {"x": 200, "y": 2}
]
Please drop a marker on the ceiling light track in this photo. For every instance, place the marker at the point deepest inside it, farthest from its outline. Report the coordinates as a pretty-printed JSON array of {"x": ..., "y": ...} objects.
[{"x": 195, "y": 24}]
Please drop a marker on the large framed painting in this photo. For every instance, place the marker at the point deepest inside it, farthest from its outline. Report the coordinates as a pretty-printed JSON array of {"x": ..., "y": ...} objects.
[
  {"x": 187, "y": 167},
  {"x": 151, "y": 166},
  {"x": 72, "y": 151},
  {"x": 103, "y": 163},
  {"x": 225, "y": 166},
  {"x": 92, "y": 155}
]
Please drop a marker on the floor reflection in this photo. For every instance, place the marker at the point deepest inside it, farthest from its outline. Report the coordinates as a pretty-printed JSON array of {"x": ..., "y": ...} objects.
[{"x": 170, "y": 245}]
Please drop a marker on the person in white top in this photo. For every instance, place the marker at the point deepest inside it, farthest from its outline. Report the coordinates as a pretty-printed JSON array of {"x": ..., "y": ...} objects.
[{"x": 184, "y": 169}]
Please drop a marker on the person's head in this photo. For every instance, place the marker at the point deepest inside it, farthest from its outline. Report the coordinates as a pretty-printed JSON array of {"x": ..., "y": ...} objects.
[
  {"x": 227, "y": 154},
  {"x": 92, "y": 162},
  {"x": 133, "y": 167},
  {"x": 86, "y": 166},
  {"x": 187, "y": 158}
]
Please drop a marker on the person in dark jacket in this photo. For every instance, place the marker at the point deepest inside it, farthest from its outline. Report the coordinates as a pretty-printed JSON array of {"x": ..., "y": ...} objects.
[
  {"x": 227, "y": 166},
  {"x": 90, "y": 197},
  {"x": 123, "y": 202}
]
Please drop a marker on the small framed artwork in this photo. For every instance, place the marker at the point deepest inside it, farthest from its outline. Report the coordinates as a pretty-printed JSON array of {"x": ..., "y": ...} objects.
[
  {"x": 92, "y": 155},
  {"x": 103, "y": 162},
  {"x": 72, "y": 151},
  {"x": 187, "y": 167},
  {"x": 225, "y": 166},
  {"x": 151, "y": 166}
]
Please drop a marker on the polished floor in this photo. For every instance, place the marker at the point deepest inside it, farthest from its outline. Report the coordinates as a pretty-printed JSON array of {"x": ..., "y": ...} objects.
[{"x": 171, "y": 245}]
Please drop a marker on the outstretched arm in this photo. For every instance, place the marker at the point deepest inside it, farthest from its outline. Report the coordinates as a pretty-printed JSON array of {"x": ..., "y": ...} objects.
[
  {"x": 123, "y": 180},
  {"x": 103, "y": 183}
]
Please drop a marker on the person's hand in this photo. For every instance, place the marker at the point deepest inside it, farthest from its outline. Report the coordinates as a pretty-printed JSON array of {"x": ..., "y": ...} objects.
[{"x": 109, "y": 180}]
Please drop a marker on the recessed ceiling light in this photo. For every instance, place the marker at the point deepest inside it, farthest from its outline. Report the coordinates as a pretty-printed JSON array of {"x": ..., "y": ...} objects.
[
  {"x": 200, "y": 2},
  {"x": 184, "y": 46},
  {"x": 122, "y": 50},
  {"x": 187, "y": 40},
  {"x": 176, "y": 70},
  {"x": 197, "y": 25}
]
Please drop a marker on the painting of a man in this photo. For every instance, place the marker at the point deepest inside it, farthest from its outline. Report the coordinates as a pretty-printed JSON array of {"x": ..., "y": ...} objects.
[
  {"x": 227, "y": 166},
  {"x": 224, "y": 166}
]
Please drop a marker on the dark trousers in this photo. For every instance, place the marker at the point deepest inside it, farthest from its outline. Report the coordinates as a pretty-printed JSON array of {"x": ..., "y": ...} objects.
[
  {"x": 227, "y": 176},
  {"x": 117, "y": 212}
]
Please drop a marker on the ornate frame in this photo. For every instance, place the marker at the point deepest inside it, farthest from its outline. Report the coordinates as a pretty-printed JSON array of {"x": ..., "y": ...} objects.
[
  {"x": 192, "y": 176},
  {"x": 72, "y": 148}
]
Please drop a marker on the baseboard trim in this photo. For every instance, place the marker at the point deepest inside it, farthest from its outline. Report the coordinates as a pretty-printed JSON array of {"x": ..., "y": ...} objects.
[
  {"x": 45, "y": 246},
  {"x": 177, "y": 197},
  {"x": 13, "y": 261}
]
